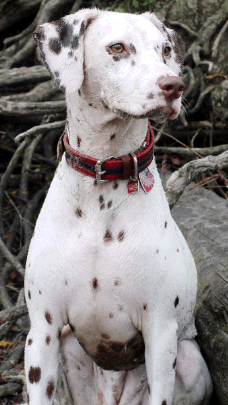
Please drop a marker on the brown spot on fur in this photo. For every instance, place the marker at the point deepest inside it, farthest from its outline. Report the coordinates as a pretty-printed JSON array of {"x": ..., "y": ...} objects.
[
  {"x": 174, "y": 363},
  {"x": 115, "y": 185},
  {"x": 165, "y": 224},
  {"x": 144, "y": 307},
  {"x": 95, "y": 283},
  {"x": 48, "y": 339},
  {"x": 95, "y": 183},
  {"x": 59, "y": 334},
  {"x": 132, "y": 63},
  {"x": 79, "y": 212},
  {"x": 120, "y": 236},
  {"x": 55, "y": 45},
  {"x": 157, "y": 250},
  {"x": 164, "y": 402},
  {"x": 117, "y": 281},
  {"x": 109, "y": 204},
  {"x": 178, "y": 47},
  {"x": 150, "y": 96},
  {"x": 116, "y": 356},
  {"x": 111, "y": 315},
  {"x": 176, "y": 302},
  {"x": 28, "y": 398},
  {"x": 34, "y": 374},
  {"x": 120, "y": 307},
  {"x": 30, "y": 342},
  {"x": 132, "y": 48},
  {"x": 177, "y": 250},
  {"x": 50, "y": 388},
  {"x": 40, "y": 292},
  {"x": 39, "y": 34},
  {"x": 100, "y": 397},
  {"x": 108, "y": 236},
  {"x": 29, "y": 294},
  {"x": 112, "y": 137},
  {"x": 101, "y": 201},
  {"x": 116, "y": 58},
  {"x": 149, "y": 389},
  {"x": 66, "y": 282},
  {"x": 48, "y": 317},
  {"x": 79, "y": 92},
  {"x": 105, "y": 336},
  {"x": 78, "y": 141}
]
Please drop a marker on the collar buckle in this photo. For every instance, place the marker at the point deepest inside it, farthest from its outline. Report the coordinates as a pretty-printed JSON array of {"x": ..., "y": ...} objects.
[{"x": 99, "y": 171}]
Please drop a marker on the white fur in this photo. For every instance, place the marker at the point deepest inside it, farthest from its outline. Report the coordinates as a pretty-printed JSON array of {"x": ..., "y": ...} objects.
[{"x": 145, "y": 280}]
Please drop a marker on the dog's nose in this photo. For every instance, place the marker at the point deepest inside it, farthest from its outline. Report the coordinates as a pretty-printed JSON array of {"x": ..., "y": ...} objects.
[{"x": 172, "y": 87}]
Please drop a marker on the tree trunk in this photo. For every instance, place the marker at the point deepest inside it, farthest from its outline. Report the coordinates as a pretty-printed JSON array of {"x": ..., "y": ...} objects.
[{"x": 202, "y": 218}]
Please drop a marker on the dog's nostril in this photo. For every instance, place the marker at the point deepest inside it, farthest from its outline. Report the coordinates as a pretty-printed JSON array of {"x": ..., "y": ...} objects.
[{"x": 168, "y": 88}]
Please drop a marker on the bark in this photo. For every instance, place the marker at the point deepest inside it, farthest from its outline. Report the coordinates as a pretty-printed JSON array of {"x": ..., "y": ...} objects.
[{"x": 202, "y": 217}]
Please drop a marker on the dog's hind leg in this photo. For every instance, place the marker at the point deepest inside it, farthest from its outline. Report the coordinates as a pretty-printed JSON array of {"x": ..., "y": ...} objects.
[
  {"x": 193, "y": 382},
  {"x": 79, "y": 370}
]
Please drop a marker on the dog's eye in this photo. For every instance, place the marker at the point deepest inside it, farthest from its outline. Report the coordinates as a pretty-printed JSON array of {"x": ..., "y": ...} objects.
[
  {"x": 166, "y": 50},
  {"x": 117, "y": 48}
]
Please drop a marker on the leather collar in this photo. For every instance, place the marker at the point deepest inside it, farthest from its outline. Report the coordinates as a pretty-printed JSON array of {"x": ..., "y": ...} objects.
[{"x": 111, "y": 168}]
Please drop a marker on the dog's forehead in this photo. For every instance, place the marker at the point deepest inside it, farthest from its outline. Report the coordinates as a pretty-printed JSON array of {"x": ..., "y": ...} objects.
[{"x": 113, "y": 26}]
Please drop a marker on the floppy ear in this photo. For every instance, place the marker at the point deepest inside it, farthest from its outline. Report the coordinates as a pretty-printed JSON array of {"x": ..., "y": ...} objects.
[
  {"x": 171, "y": 35},
  {"x": 61, "y": 47}
]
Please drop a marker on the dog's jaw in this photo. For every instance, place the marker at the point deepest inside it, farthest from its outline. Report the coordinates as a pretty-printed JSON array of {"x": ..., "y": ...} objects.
[{"x": 101, "y": 131}]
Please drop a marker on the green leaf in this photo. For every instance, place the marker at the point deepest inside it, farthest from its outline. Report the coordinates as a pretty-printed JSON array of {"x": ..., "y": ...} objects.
[
  {"x": 151, "y": 1},
  {"x": 146, "y": 3},
  {"x": 135, "y": 3},
  {"x": 119, "y": 10}
]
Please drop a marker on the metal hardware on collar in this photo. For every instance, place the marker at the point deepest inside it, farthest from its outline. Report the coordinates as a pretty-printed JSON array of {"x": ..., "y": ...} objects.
[
  {"x": 136, "y": 171},
  {"x": 99, "y": 171}
]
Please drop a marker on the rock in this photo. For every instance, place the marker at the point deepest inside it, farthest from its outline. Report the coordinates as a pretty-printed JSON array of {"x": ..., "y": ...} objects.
[{"x": 203, "y": 219}]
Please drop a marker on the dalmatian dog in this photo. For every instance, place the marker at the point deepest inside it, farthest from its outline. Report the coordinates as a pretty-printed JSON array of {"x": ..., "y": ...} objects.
[{"x": 110, "y": 282}]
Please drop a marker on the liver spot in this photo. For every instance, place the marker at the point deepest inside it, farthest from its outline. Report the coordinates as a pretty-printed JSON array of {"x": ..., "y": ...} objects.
[
  {"x": 176, "y": 302},
  {"x": 48, "y": 317},
  {"x": 117, "y": 356},
  {"x": 34, "y": 374},
  {"x": 50, "y": 388}
]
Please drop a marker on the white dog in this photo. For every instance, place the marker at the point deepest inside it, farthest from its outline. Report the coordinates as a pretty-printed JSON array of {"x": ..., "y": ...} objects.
[{"x": 106, "y": 258}]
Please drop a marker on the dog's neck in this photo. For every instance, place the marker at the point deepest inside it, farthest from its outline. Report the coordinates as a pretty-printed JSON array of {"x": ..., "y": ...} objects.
[{"x": 96, "y": 131}]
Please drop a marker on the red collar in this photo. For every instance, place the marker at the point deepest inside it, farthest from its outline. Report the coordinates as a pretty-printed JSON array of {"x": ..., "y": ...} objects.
[{"x": 111, "y": 168}]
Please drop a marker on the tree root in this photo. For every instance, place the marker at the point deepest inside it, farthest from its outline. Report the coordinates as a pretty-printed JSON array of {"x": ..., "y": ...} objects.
[{"x": 180, "y": 179}]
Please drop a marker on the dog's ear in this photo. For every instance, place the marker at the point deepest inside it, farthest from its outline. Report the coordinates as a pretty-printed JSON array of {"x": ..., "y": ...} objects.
[
  {"x": 171, "y": 35},
  {"x": 61, "y": 47}
]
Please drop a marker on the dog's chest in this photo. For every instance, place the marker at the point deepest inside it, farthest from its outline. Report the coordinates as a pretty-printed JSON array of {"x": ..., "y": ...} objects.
[{"x": 114, "y": 256}]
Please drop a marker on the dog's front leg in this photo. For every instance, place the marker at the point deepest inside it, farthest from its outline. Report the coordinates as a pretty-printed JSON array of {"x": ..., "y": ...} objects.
[
  {"x": 41, "y": 353},
  {"x": 160, "y": 336}
]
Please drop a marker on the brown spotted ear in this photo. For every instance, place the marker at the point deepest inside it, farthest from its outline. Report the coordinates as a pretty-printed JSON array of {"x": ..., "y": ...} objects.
[
  {"x": 61, "y": 47},
  {"x": 174, "y": 38}
]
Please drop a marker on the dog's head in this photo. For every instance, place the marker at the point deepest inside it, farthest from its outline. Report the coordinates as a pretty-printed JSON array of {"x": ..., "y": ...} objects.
[{"x": 125, "y": 61}]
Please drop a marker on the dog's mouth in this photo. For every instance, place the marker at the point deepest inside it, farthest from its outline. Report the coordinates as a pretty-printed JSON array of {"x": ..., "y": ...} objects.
[{"x": 158, "y": 114}]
